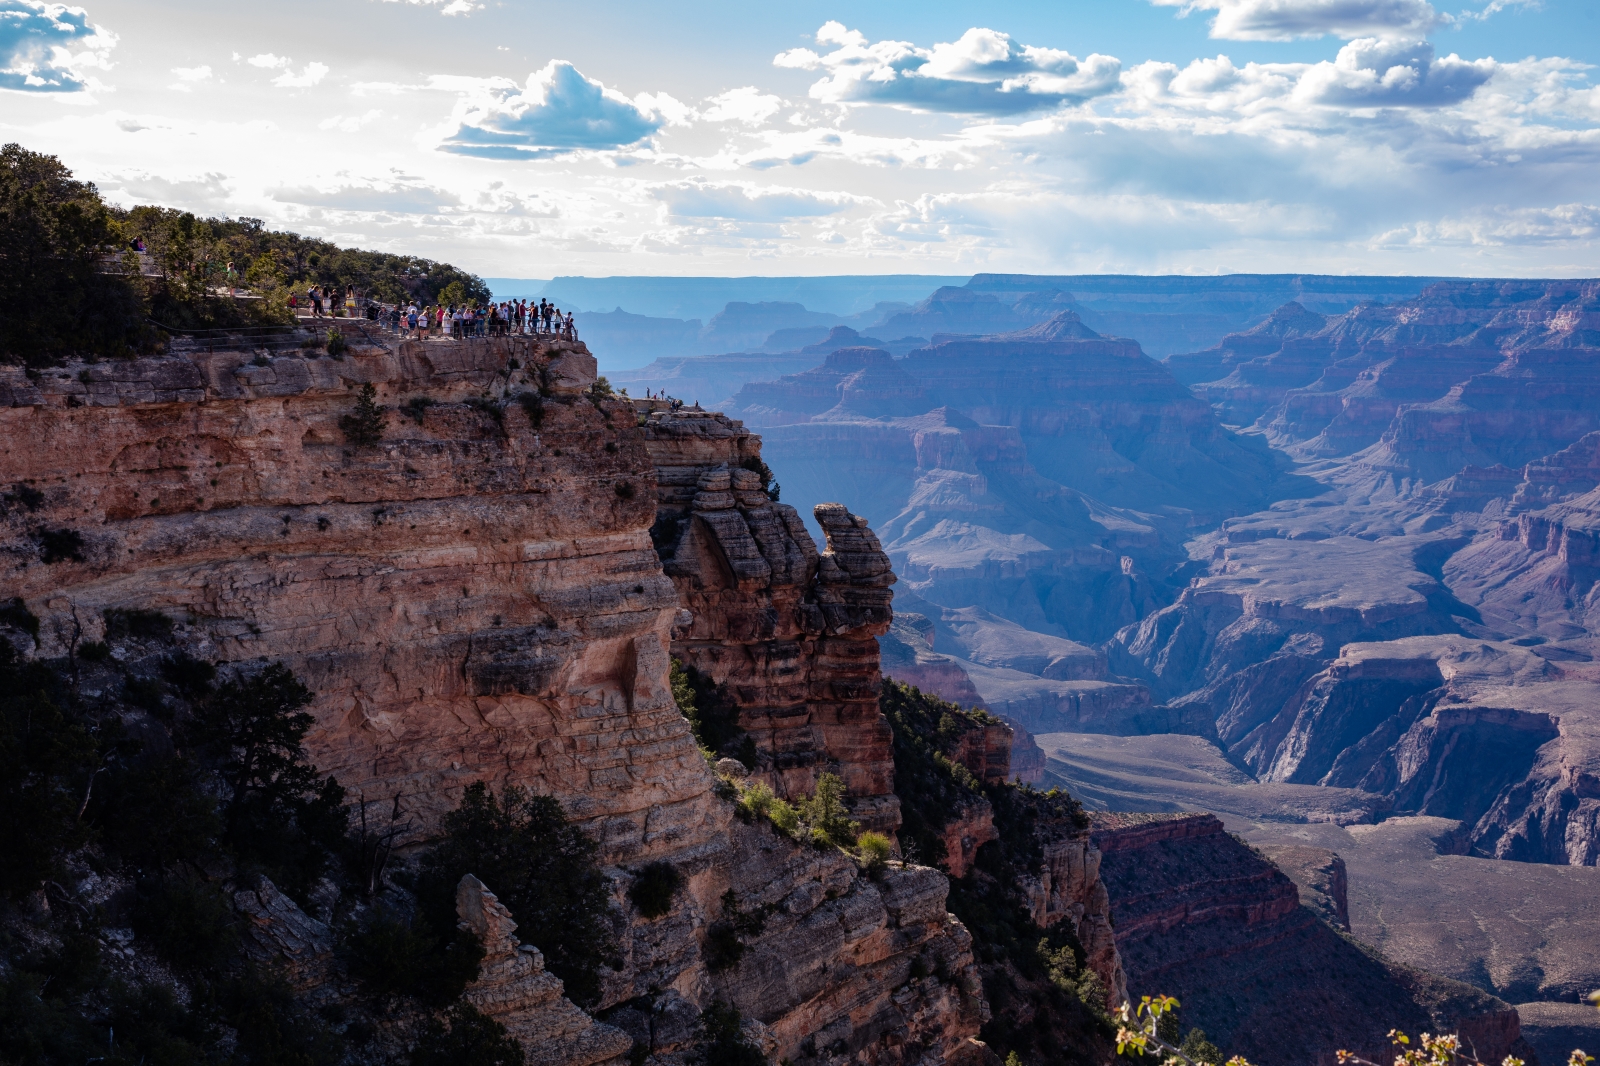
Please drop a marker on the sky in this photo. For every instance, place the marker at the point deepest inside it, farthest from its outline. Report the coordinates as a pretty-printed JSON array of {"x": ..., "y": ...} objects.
[{"x": 538, "y": 139}]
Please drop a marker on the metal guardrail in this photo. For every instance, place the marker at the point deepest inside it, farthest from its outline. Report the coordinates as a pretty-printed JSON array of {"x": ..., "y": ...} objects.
[{"x": 302, "y": 336}]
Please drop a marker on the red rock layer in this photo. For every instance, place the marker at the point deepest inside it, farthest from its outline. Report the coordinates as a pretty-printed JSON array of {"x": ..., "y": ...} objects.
[
  {"x": 476, "y": 598},
  {"x": 790, "y": 632},
  {"x": 1068, "y": 888},
  {"x": 1201, "y": 916},
  {"x": 471, "y": 598}
]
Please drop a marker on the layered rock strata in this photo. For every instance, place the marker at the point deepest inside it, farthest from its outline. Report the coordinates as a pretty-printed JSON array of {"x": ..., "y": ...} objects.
[
  {"x": 476, "y": 597},
  {"x": 513, "y": 988},
  {"x": 1069, "y": 888},
  {"x": 788, "y": 631},
  {"x": 1202, "y": 917}
]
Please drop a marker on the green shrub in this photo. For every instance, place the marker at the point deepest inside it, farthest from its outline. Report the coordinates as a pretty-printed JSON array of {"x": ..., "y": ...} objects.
[
  {"x": 490, "y": 408},
  {"x": 544, "y": 869},
  {"x": 157, "y": 812},
  {"x": 189, "y": 922},
  {"x": 875, "y": 851},
  {"x": 94, "y": 651},
  {"x": 466, "y": 1038},
  {"x": 654, "y": 887},
  {"x": 273, "y": 1028},
  {"x": 930, "y": 792},
  {"x": 723, "y": 1042},
  {"x": 416, "y": 407},
  {"x": 533, "y": 405},
  {"x": 827, "y": 815},
  {"x": 712, "y": 713},
  {"x": 144, "y": 693},
  {"x": 755, "y": 801},
  {"x": 783, "y": 815},
  {"x": 758, "y": 466},
  {"x": 1199, "y": 1049},
  {"x": 47, "y": 758},
  {"x": 725, "y": 937},
  {"x": 137, "y": 623},
  {"x": 1047, "y": 1006},
  {"x": 16, "y": 615},
  {"x": 336, "y": 345},
  {"x": 279, "y": 816},
  {"x": 192, "y": 677},
  {"x": 393, "y": 956},
  {"x": 59, "y": 545},
  {"x": 24, "y": 495},
  {"x": 363, "y": 426}
]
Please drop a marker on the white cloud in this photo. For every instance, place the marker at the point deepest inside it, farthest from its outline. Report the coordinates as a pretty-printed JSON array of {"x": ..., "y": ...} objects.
[
  {"x": 1375, "y": 72},
  {"x": 49, "y": 48},
  {"x": 748, "y": 105},
  {"x": 1499, "y": 227},
  {"x": 1287, "y": 20},
  {"x": 349, "y": 123},
  {"x": 203, "y": 194},
  {"x": 750, "y": 203},
  {"x": 309, "y": 75},
  {"x": 446, "y": 7},
  {"x": 268, "y": 61},
  {"x": 188, "y": 77},
  {"x": 400, "y": 197},
  {"x": 1367, "y": 73},
  {"x": 799, "y": 147},
  {"x": 558, "y": 111},
  {"x": 983, "y": 73}
]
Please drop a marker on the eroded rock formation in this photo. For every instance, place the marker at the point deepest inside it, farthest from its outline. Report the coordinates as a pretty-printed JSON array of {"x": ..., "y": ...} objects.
[
  {"x": 789, "y": 631},
  {"x": 513, "y": 988},
  {"x": 1202, "y": 917},
  {"x": 476, "y": 597}
]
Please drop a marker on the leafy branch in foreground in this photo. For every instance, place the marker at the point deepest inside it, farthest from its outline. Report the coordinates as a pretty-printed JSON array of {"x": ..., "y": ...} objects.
[{"x": 1139, "y": 1030}]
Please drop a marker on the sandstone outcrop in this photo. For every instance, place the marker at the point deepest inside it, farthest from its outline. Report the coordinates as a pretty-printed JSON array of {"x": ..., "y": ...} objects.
[
  {"x": 476, "y": 597},
  {"x": 513, "y": 988},
  {"x": 790, "y": 632},
  {"x": 1069, "y": 888},
  {"x": 1202, "y": 917}
]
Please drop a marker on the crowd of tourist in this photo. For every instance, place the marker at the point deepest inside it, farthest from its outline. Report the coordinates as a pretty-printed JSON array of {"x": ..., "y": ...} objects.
[{"x": 420, "y": 321}]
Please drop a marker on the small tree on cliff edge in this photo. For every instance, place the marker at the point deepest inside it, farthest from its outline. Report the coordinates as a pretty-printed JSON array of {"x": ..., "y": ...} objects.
[
  {"x": 1141, "y": 1031},
  {"x": 364, "y": 425},
  {"x": 542, "y": 867}
]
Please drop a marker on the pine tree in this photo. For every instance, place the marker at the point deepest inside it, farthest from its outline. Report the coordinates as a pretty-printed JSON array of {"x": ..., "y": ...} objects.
[{"x": 364, "y": 425}]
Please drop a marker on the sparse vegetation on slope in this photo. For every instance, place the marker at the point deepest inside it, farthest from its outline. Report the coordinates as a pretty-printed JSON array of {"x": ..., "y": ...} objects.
[
  {"x": 139, "y": 793},
  {"x": 1047, "y": 1006},
  {"x": 72, "y": 284}
]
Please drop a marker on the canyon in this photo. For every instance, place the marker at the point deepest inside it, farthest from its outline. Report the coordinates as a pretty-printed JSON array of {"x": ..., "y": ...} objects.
[
  {"x": 1175, "y": 585},
  {"x": 1381, "y": 611},
  {"x": 477, "y": 598},
  {"x": 491, "y": 591}
]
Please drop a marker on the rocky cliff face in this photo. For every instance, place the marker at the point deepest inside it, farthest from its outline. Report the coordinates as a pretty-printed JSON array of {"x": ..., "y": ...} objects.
[
  {"x": 1202, "y": 917},
  {"x": 476, "y": 597},
  {"x": 790, "y": 632}
]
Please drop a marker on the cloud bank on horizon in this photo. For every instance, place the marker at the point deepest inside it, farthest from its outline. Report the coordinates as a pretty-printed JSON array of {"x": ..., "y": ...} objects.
[{"x": 1338, "y": 135}]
